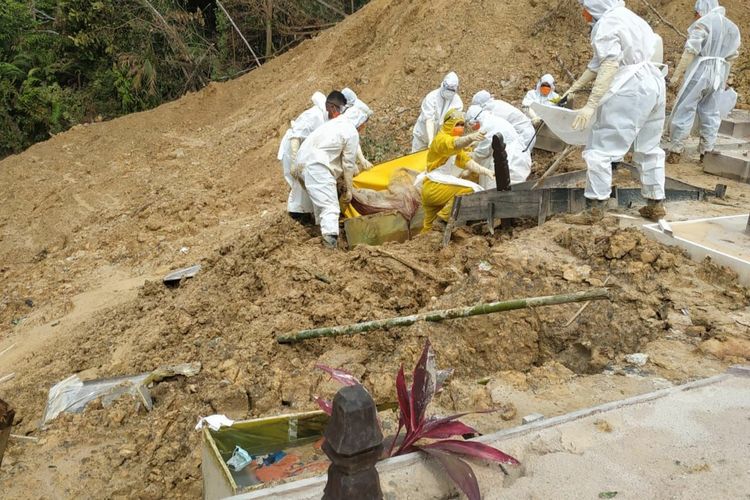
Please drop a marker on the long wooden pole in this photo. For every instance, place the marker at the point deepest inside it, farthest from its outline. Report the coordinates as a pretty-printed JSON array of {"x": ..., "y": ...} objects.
[{"x": 458, "y": 312}]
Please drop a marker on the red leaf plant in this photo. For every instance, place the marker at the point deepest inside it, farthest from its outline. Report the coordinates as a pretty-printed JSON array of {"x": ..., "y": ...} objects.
[{"x": 429, "y": 435}]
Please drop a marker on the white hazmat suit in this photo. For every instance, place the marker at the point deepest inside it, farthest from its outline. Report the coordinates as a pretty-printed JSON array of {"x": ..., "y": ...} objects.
[
  {"x": 713, "y": 41},
  {"x": 351, "y": 101},
  {"x": 300, "y": 129},
  {"x": 536, "y": 95},
  {"x": 519, "y": 162},
  {"x": 502, "y": 109},
  {"x": 326, "y": 158},
  {"x": 631, "y": 104},
  {"x": 434, "y": 107}
]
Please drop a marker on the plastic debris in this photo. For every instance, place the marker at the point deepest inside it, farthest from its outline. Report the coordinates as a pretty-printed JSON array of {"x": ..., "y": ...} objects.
[
  {"x": 534, "y": 417},
  {"x": 239, "y": 459},
  {"x": 214, "y": 422},
  {"x": 560, "y": 122},
  {"x": 176, "y": 276},
  {"x": 73, "y": 394},
  {"x": 637, "y": 359}
]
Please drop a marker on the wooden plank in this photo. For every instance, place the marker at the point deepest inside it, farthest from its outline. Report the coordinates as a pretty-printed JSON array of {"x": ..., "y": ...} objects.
[{"x": 546, "y": 140}]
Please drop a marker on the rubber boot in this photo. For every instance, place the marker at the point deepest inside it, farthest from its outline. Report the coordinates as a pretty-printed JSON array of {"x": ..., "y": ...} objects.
[
  {"x": 593, "y": 213},
  {"x": 654, "y": 210},
  {"x": 303, "y": 218},
  {"x": 330, "y": 241},
  {"x": 674, "y": 157}
]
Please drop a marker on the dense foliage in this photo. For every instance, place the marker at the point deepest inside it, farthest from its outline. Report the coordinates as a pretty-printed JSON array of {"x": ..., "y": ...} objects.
[{"x": 67, "y": 61}]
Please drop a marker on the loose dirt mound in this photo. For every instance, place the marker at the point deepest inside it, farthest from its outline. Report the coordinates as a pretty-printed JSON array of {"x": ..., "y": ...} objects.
[{"x": 197, "y": 181}]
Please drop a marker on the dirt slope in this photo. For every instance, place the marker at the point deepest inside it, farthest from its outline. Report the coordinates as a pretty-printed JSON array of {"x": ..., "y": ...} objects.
[{"x": 91, "y": 213}]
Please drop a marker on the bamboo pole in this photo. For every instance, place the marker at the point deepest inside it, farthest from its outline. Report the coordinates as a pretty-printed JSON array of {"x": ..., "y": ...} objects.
[
  {"x": 440, "y": 315},
  {"x": 238, "y": 32},
  {"x": 552, "y": 168}
]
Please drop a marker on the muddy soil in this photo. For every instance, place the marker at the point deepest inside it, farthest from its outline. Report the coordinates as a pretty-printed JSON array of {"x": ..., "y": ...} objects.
[{"x": 92, "y": 219}]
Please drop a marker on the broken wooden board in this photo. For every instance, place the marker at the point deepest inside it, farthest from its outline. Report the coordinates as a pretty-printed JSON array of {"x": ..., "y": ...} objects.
[
  {"x": 563, "y": 193},
  {"x": 546, "y": 140},
  {"x": 737, "y": 124},
  {"x": 377, "y": 229},
  {"x": 734, "y": 164}
]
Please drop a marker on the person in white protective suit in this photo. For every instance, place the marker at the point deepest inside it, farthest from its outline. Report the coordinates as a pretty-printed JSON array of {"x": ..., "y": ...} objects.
[
  {"x": 544, "y": 93},
  {"x": 326, "y": 159},
  {"x": 713, "y": 43},
  {"x": 625, "y": 108},
  {"x": 434, "y": 107},
  {"x": 519, "y": 161},
  {"x": 502, "y": 109},
  {"x": 323, "y": 109},
  {"x": 353, "y": 100}
]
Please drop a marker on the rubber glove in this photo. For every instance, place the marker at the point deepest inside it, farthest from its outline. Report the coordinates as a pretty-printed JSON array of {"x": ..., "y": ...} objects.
[
  {"x": 476, "y": 168},
  {"x": 366, "y": 165},
  {"x": 604, "y": 78},
  {"x": 296, "y": 171},
  {"x": 294, "y": 144},
  {"x": 467, "y": 140},
  {"x": 346, "y": 196},
  {"x": 686, "y": 60},
  {"x": 535, "y": 120},
  {"x": 587, "y": 77},
  {"x": 430, "y": 126}
]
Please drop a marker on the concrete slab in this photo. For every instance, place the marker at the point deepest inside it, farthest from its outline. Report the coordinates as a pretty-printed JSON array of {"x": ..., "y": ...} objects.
[
  {"x": 737, "y": 124},
  {"x": 690, "y": 441},
  {"x": 732, "y": 164},
  {"x": 724, "y": 239}
]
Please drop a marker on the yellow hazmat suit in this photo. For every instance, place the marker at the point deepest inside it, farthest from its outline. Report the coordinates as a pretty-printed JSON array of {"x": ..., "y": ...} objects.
[{"x": 437, "y": 197}]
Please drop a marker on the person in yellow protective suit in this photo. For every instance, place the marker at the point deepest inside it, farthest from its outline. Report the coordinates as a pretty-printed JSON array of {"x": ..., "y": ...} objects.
[{"x": 444, "y": 179}]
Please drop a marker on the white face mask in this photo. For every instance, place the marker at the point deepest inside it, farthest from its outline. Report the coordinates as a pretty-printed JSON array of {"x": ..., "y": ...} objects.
[{"x": 447, "y": 94}]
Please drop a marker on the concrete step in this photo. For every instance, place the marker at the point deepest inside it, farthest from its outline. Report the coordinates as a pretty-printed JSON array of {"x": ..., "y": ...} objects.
[
  {"x": 732, "y": 164},
  {"x": 737, "y": 124}
]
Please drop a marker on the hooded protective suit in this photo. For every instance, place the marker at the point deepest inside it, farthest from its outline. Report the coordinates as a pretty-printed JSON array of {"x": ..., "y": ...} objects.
[
  {"x": 713, "y": 41},
  {"x": 519, "y": 162},
  {"x": 506, "y": 111},
  {"x": 536, "y": 95},
  {"x": 442, "y": 182},
  {"x": 327, "y": 157},
  {"x": 300, "y": 129},
  {"x": 434, "y": 107},
  {"x": 631, "y": 109}
]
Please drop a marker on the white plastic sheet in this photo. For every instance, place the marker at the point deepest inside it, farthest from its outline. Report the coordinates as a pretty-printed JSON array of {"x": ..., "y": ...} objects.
[
  {"x": 560, "y": 122},
  {"x": 727, "y": 99}
]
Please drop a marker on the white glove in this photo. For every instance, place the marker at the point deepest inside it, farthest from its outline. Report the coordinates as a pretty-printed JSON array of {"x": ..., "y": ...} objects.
[
  {"x": 685, "y": 61},
  {"x": 476, "y": 168},
  {"x": 294, "y": 144},
  {"x": 587, "y": 77},
  {"x": 430, "y": 126},
  {"x": 535, "y": 120},
  {"x": 603, "y": 82},
  {"x": 466, "y": 141},
  {"x": 366, "y": 165}
]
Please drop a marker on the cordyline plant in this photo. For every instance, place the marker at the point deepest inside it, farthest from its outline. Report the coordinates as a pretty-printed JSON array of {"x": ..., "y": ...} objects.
[{"x": 430, "y": 435}]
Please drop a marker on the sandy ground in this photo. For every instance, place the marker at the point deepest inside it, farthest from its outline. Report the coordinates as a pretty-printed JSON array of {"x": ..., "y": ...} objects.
[{"x": 93, "y": 217}]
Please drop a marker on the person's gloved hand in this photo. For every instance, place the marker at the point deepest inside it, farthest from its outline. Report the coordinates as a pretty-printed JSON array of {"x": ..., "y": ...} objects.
[
  {"x": 476, "y": 168},
  {"x": 468, "y": 140},
  {"x": 294, "y": 144},
  {"x": 366, "y": 164},
  {"x": 346, "y": 196},
  {"x": 536, "y": 121},
  {"x": 604, "y": 77},
  {"x": 583, "y": 117},
  {"x": 296, "y": 171},
  {"x": 685, "y": 61}
]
